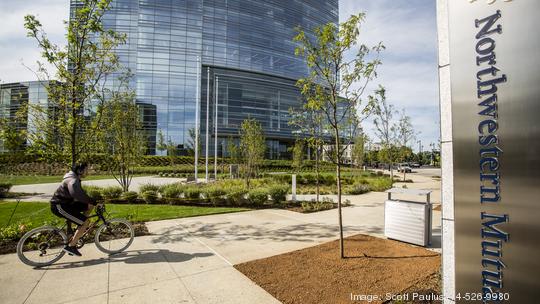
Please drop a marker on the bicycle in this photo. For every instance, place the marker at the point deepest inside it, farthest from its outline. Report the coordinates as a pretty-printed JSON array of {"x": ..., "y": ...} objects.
[{"x": 44, "y": 245}]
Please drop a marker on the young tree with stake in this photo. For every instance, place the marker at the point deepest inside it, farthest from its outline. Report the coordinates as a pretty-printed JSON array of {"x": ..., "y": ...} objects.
[
  {"x": 68, "y": 127},
  {"x": 335, "y": 84}
]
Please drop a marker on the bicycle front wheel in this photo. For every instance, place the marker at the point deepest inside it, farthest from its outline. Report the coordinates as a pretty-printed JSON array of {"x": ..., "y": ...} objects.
[
  {"x": 42, "y": 246},
  {"x": 115, "y": 236}
]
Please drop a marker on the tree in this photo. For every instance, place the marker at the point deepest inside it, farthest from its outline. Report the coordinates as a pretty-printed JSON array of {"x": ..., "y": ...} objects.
[
  {"x": 335, "y": 84},
  {"x": 191, "y": 143},
  {"x": 385, "y": 130},
  {"x": 123, "y": 136},
  {"x": 233, "y": 150},
  {"x": 166, "y": 145},
  {"x": 358, "y": 150},
  {"x": 68, "y": 127},
  {"x": 252, "y": 147},
  {"x": 13, "y": 131},
  {"x": 405, "y": 135},
  {"x": 161, "y": 144},
  {"x": 298, "y": 155},
  {"x": 310, "y": 123}
]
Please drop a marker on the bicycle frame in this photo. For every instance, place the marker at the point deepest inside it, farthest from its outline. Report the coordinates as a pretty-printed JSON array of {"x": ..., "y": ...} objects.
[{"x": 98, "y": 213}]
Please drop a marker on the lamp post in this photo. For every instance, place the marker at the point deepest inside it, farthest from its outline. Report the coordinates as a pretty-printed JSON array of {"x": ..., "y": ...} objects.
[
  {"x": 216, "y": 128},
  {"x": 197, "y": 120},
  {"x": 207, "y": 117}
]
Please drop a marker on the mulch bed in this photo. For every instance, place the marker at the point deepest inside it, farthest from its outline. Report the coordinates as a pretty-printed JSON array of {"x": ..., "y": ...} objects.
[{"x": 373, "y": 266}]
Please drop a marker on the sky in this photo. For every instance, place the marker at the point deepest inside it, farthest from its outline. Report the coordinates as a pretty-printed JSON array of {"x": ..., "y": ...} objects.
[{"x": 406, "y": 27}]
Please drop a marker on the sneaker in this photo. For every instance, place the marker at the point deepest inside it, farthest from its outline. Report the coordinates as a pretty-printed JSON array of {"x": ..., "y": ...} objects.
[{"x": 72, "y": 250}]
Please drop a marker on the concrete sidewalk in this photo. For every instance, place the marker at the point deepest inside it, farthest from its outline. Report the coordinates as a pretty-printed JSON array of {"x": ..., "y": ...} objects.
[
  {"x": 187, "y": 260},
  {"x": 190, "y": 260}
]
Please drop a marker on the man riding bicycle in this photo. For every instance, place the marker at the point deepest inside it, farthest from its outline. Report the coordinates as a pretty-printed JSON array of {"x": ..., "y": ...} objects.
[{"x": 70, "y": 202}]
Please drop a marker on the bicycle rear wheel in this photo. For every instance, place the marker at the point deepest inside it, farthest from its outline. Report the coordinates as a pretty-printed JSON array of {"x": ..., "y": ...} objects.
[
  {"x": 115, "y": 236},
  {"x": 42, "y": 246}
]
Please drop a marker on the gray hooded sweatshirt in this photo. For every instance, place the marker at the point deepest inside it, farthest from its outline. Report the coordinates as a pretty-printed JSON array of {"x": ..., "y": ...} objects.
[{"x": 70, "y": 191}]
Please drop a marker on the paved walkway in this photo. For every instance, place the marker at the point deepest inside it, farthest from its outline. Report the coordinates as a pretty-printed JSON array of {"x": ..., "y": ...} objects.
[{"x": 189, "y": 260}]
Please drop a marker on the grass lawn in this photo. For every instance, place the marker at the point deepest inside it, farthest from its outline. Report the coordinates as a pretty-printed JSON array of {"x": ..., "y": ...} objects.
[
  {"x": 37, "y": 214},
  {"x": 42, "y": 179}
]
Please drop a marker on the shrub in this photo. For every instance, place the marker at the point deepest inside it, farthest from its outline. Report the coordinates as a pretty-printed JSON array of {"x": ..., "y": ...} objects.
[
  {"x": 13, "y": 231},
  {"x": 278, "y": 193},
  {"x": 314, "y": 206},
  {"x": 129, "y": 196},
  {"x": 94, "y": 192},
  {"x": 258, "y": 196},
  {"x": 171, "y": 191},
  {"x": 380, "y": 184},
  {"x": 192, "y": 193},
  {"x": 4, "y": 188},
  {"x": 150, "y": 196},
  {"x": 379, "y": 173},
  {"x": 111, "y": 193},
  {"x": 214, "y": 194},
  {"x": 359, "y": 189},
  {"x": 148, "y": 187},
  {"x": 236, "y": 195}
]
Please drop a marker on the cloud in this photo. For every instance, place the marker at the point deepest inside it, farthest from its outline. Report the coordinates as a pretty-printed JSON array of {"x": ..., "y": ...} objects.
[
  {"x": 407, "y": 28},
  {"x": 409, "y": 70},
  {"x": 15, "y": 47}
]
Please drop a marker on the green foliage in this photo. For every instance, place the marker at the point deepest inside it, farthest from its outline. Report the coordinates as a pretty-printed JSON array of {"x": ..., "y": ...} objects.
[
  {"x": 13, "y": 130},
  {"x": 278, "y": 193},
  {"x": 192, "y": 193},
  {"x": 148, "y": 187},
  {"x": 69, "y": 133},
  {"x": 129, "y": 196},
  {"x": 359, "y": 189},
  {"x": 335, "y": 83},
  {"x": 252, "y": 147},
  {"x": 4, "y": 188},
  {"x": 14, "y": 231},
  {"x": 150, "y": 196},
  {"x": 94, "y": 192},
  {"x": 298, "y": 155},
  {"x": 314, "y": 206},
  {"x": 215, "y": 193},
  {"x": 380, "y": 184},
  {"x": 236, "y": 195},
  {"x": 171, "y": 192},
  {"x": 111, "y": 193},
  {"x": 121, "y": 136},
  {"x": 357, "y": 153},
  {"x": 258, "y": 196}
]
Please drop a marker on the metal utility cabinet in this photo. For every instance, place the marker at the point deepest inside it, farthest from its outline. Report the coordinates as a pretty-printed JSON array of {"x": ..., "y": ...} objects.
[{"x": 408, "y": 221}]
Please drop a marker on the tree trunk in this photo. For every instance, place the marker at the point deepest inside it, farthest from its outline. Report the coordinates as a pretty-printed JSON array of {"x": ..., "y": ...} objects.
[
  {"x": 317, "y": 172},
  {"x": 338, "y": 181}
]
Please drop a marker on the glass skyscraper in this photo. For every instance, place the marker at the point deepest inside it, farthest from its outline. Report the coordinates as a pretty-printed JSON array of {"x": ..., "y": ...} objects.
[
  {"x": 13, "y": 96},
  {"x": 246, "y": 44}
]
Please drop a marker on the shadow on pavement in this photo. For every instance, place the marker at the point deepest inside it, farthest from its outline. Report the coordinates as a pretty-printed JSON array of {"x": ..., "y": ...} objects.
[
  {"x": 135, "y": 257},
  {"x": 225, "y": 231}
]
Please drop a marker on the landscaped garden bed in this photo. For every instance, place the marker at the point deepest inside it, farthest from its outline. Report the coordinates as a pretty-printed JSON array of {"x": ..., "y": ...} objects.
[
  {"x": 18, "y": 218},
  {"x": 373, "y": 266}
]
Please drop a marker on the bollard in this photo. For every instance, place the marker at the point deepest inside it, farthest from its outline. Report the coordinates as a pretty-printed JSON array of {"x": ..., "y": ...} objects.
[{"x": 294, "y": 187}]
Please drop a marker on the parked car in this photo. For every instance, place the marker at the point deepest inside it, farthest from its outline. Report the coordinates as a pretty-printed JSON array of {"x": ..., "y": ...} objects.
[
  {"x": 404, "y": 168},
  {"x": 415, "y": 165}
]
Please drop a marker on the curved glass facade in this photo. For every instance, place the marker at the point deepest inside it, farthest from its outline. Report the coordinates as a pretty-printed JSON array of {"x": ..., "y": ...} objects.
[{"x": 246, "y": 43}]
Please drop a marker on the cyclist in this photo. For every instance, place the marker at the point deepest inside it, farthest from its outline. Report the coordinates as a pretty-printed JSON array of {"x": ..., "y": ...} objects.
[{"x": 70, "y": 201}]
